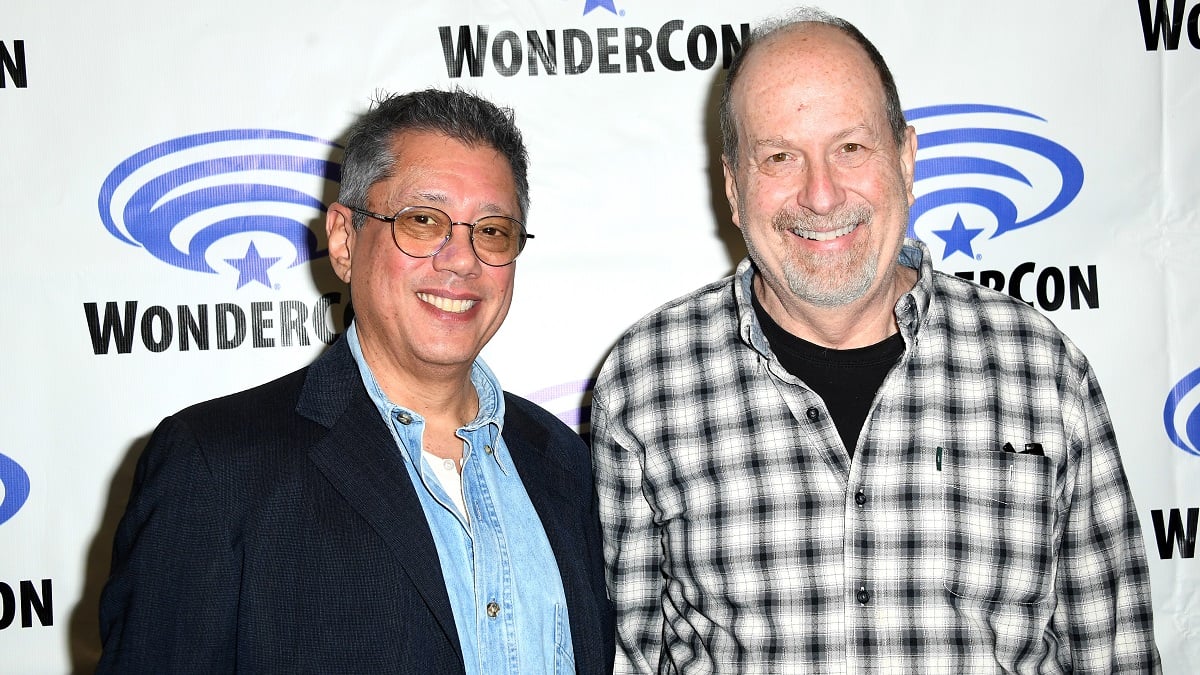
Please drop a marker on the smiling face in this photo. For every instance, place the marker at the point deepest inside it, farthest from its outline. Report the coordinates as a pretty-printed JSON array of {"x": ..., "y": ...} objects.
[
  {"x": 420, "y": 315},
  {"x": 820, "y": 189}
]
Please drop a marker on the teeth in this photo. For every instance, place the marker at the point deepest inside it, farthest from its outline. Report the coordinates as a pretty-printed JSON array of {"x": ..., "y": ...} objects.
[
  {"x": 447, "y": 304},
  {"x": 825, "y": 236}
]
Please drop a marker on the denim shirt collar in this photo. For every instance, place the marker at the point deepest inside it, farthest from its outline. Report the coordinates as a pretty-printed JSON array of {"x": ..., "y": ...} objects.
[{"x": 487, "y": 388}]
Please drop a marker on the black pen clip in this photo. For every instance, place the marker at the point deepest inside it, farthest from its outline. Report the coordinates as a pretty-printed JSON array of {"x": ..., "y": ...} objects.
[{"x": 1033, "y": 449}]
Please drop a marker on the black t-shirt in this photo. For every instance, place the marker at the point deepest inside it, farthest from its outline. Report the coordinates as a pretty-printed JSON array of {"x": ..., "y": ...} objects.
[{"x": 846, "y": 379}]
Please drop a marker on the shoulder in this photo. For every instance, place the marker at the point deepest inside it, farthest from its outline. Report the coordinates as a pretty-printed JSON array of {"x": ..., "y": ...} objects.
[
  {"x": 241, "y": 439},
  {"x": 967, "y": 312},
  {"x": 710, "y": 302},
  {"x": 531, "y": 421},
  {"x": 251, "y": 407},
  {"x": 703, "y": 321},
  {"x": 526, "y": 421},
  {"x": 279, "y": 394},
  {"x": 963, "y": 299},
  {"x": 319, "y": 391}
]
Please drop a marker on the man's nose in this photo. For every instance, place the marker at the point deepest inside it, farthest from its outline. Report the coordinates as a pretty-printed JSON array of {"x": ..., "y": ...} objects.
[
  {"x": 821, "y": 191},
  {"x": 457, "y": 255}
]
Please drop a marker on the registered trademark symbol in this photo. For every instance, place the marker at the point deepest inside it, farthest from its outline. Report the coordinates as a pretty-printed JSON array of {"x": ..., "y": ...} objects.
[
  {"x": 276, "y": 286},
  {"x": 978, "y": 256}
]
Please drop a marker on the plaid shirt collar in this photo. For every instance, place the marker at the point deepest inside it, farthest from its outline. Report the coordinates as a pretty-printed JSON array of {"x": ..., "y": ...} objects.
[{"x": 911, "y": 309}]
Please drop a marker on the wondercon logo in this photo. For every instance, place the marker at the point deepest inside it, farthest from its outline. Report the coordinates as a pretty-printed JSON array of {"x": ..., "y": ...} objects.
[
  {"x": 570, "y": 402},
  {"x": 1181, "y": 414},
  {"x": 983, "y": 171},
  {"x": 223, "y": 202},
  {"x": 14, "y": 488}
]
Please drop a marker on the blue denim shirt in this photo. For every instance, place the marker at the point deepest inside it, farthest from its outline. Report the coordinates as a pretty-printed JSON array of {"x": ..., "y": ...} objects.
[{"x": 501, "y": 574}]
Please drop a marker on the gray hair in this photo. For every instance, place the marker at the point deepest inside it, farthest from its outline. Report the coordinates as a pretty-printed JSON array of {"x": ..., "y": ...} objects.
[
  {"x": 773, "y": 26},
  {"x": 458, "y": 114}
]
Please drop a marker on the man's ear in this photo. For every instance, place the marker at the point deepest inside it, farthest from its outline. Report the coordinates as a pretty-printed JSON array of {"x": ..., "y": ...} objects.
[
  {"x": 339, "y": 228},
  {"x": 908, "y": 160},
  {"x": 731, "y": 191}
]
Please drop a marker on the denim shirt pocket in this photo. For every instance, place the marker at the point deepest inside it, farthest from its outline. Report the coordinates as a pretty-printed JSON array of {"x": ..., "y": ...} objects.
[
  {"x": 998, "y": 514},
  {"x": 564, "y": 651}
]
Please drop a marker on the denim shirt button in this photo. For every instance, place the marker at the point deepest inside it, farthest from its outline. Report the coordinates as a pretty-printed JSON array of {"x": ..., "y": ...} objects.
[
  {"x": 492, "y": 610},
  {"x": 404, "y": 418},
  {"x": 488, "y": 449}
]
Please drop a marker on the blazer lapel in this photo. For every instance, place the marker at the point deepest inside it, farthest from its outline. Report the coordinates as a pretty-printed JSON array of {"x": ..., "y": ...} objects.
[{"x": 359, "y": 458}]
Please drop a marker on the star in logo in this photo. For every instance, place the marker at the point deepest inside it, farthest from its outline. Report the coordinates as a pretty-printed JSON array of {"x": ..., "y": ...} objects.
[
  {"x": 252, "y": 267},
  {"x": 958, "y": 238},
  {"x": 589, "y": 5}
]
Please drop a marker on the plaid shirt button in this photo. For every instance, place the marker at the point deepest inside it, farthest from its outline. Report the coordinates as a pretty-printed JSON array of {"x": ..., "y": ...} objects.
[
  {"x": 863, "y": 596},
  {"x": 813, "y": 414}
]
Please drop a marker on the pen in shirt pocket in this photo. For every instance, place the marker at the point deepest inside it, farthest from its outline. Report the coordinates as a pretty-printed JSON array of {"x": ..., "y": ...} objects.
[{"x": 1030, "y": 449}]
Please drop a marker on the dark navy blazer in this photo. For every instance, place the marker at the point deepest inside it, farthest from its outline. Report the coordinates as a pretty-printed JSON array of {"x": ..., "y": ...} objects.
[{"x": 276, "y": 531}]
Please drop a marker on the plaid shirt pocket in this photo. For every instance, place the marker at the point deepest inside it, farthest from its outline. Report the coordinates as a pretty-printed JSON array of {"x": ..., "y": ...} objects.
[{"x": 999, "y": 526}]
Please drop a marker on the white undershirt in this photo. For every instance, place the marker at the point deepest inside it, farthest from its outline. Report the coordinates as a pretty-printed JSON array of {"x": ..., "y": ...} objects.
[{"x": 446, "y": 471}]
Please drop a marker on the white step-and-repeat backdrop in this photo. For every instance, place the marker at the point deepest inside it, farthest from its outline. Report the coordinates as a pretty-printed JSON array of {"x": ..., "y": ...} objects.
[{"x": 164, "y": 166}]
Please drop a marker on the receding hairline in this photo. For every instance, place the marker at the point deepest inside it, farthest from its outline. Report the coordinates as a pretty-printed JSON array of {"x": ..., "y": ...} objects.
[
  {"x": 773, "y": 30},
  {"x": 771, "y": 41}
]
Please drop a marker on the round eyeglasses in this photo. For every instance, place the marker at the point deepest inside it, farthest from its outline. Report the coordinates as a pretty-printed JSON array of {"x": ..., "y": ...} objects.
[{"x": 422, "y": 231}]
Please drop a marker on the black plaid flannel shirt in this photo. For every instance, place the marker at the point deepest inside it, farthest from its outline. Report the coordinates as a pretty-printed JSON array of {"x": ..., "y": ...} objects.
[{"x": 740, "y": 538}]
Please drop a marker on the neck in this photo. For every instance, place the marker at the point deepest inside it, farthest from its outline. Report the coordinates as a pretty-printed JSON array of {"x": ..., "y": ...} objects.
[
  {"x": 861, "y": 323},
  {"x": 442, "y": 395}
]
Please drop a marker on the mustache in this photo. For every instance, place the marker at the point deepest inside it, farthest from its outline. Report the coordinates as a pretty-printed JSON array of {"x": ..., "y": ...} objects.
[{"x": 786, "y": 220}]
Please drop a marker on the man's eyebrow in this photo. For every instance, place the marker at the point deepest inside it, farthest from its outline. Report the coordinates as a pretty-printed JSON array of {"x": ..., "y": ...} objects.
[
  {"x": 856, "y": 129},
  {"x": 442, "y": 199},
  {"x": 772, "y": 142}
]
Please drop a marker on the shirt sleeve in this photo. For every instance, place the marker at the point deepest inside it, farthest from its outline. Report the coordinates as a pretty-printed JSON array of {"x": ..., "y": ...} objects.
[
  {"x": 1104, "y": 618},
  {"x": 171, "y": 600},
  {"x": 632, "y": 546}
]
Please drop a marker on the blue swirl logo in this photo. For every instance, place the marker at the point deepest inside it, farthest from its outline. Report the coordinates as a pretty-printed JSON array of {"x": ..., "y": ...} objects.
[
  {"x": 223, "y": 201},
  {"x": 978, "y": 169},
  {"x": 1181, "y": 414},
  {"x": 570, "y": 402},
  {"x": 14, "y": 483}
]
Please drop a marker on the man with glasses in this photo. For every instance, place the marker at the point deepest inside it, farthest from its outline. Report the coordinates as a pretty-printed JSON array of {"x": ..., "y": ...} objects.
[{"x": 389, "y": 508}]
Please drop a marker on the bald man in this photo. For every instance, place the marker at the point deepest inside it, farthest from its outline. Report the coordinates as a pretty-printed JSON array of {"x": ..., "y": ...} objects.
[{"x": 839, "y": 460}]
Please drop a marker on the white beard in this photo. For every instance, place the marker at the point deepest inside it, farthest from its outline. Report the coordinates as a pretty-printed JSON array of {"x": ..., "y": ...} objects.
[{"x": 824, "y": 280}]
